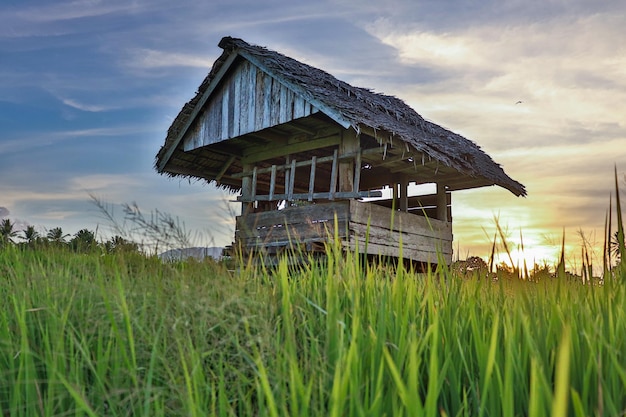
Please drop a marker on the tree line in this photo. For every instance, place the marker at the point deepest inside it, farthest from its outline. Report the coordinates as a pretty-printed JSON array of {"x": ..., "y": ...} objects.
[{"x": 82, "y": 241}]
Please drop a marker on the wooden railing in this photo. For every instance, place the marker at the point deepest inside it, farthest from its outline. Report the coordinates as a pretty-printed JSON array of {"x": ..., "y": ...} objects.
[{"x": 290, "y": 172}]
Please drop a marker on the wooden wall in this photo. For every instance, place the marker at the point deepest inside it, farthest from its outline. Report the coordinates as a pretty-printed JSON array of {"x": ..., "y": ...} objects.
[
  {"x": 363, "y": 226},
  {"x": 247, "y": 100}
]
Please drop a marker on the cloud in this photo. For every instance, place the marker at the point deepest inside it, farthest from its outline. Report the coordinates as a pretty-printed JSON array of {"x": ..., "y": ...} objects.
[
  {"x": 4, "y": 212},
  {"x": 78, "y": 9},
  {"x": 541, "y": 64},
  {"x": 85, "y": 107},
  {"x": 31, "y": 140},
  {"x": 150, "y": 58}
]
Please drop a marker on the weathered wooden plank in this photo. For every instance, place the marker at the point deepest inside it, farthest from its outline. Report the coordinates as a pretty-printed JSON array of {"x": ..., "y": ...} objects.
[
  {"x": 259, "y": 101},
  {"x": 237, "y": 102},
  {"x": 293, "y": 233},
  {"x": 294, "y": 215},
  {"x": 243, "y": 98},
  {"x": 267, "y": 101},
  {"x": 284, "y": 105},
  {"x": 225, "y": 104},
  {"x": 214, "y": 121},
  {"x": 247, "y": 100},
  {"x": 275, "y": 103},
  {"x": 404, "y": 222},
  {"x": 298, "y": 107},
  {"x": 383, "y": 250},
  {"x": 251, "y": 94},
  {"x": 232, "y": 103},
  {"x": 387, "y": 237}
]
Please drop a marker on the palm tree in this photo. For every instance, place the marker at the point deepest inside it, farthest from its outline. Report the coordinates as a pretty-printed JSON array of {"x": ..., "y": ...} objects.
[
  {"x": 56, "y": 235},
  {"x": 84, "y": 240},
  {"x": 7, "y": 232},
  {"x": 30, "y": 235}
]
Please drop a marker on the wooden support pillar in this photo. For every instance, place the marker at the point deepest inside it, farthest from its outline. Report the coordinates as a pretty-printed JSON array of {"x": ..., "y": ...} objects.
[
  {"x": 246, "y": 191},
  {"x": 394, "y": 196},
  {"x": 350, "y": 144},
  {"x": 404, "y": 194},
  {"x": 287, "y": 177},
  {"x": 442, "y": 203}
]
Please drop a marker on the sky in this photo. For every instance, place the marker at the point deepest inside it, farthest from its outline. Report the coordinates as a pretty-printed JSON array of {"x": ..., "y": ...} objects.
[{"x": 88, "y": 89}]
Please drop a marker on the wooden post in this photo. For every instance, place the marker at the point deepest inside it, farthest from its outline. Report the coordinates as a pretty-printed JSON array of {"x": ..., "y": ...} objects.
[
  {"x": 442, "y": 203},
  {"x": 312, "y": 178},
  {"x": 287, "y": 174},
  {"x": 357, "y": 172},
  {"x": 272, "y": 183},
  {"x": 404, "y": 194},
  {"x": 350, "y": 144},
  {"x": 246, "y": 191},
  {"x": 395, "y": 202},
  {"x": 333, "y": 177}
]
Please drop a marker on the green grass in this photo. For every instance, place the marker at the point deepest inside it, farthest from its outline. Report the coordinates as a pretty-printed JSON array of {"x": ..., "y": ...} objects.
[{"x": 121, "y": 335}]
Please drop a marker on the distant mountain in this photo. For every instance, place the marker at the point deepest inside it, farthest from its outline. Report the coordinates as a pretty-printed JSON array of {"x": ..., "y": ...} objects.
[{"x": 198, "y": 253}]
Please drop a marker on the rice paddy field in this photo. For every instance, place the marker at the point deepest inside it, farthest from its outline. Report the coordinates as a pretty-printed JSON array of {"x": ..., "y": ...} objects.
[{"x": 125, "y": 334}]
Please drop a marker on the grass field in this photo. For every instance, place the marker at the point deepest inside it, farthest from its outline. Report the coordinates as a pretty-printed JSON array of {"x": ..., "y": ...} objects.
[{"x": 121, "y": 335}]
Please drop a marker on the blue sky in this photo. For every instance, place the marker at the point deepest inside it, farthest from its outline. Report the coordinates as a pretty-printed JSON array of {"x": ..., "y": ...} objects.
[{"x": 88, "y": 89}]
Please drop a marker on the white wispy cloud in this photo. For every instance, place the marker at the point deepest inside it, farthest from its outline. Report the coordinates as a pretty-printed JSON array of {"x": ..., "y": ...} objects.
[
  {"x": 94, "y": 108},
  {"x": 77, "y": 9},
  {"x": 35, "y": 140},
  {"x": 152, "y": 58}
]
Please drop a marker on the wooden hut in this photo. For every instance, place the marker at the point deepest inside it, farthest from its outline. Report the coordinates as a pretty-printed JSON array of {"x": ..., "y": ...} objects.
[{"x": 304, "y": 148}]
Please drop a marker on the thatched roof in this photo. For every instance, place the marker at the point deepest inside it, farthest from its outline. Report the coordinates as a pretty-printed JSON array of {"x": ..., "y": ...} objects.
[{"x": 367, "y": 112}]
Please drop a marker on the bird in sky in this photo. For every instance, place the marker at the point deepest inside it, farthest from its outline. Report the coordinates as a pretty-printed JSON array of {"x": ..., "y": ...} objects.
[{"x": 519, "y": 102}]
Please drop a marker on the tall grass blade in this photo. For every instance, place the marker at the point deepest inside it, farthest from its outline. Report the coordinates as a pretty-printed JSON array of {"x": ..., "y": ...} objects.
[
  {"x": 562, "y": 383},
  {"x": 620, "y": 229}
]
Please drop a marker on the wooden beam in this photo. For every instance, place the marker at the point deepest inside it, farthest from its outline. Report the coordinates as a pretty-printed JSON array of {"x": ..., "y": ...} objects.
[
  {"x": 333, "y": 177},
  {"x": 312, "y": 178},
  {"x": 350, "y": 145},
  {"x": 317, "y": 196},
  {"x": 253, "y": 155},
  {"x": 404, "y": 197},
  {"x": 357, "y": 171},
  {"x": 442, "y": 203},
  {"x": 272, "y": 182},
  {"x": 225, "y": 167},
  {"x": 269, "y": 135},
  {"x": 246, "y": 192},
  {"x": 254, "y": 178},
  {"x": 292, "y": 180},
  {"x": 303, "y": 129}
]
